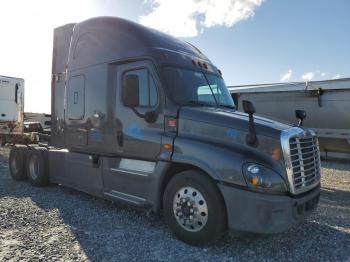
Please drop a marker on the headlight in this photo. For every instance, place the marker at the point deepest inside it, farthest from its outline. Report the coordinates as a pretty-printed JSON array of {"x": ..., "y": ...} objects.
[{"x": 261, "y": 178}]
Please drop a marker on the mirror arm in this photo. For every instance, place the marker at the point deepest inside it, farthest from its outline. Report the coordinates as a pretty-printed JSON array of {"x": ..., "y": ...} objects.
[
  {"x": 153, "y": 115},
  {"x": 300, "y": 122},
  {"x": 301, "y": 115},
  {"x": 251, "y": 137},
  {"x": 137, "y": 113}
]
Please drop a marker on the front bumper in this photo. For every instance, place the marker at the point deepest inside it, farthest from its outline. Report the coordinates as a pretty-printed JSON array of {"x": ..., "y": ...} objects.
[{"x": 263, "y": 213}]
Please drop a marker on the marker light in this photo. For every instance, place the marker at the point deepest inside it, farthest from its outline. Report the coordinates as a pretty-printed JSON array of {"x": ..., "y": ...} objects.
[
  {"x": 255, "y": 180},
  {"x": 166, "y": 147},
  {"x": 172, "y": 122},
  {"x": 276, "y": 154}
]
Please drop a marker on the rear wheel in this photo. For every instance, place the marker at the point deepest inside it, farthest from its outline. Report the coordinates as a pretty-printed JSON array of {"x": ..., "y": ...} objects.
[
  {"x": 194, "y": 208},
  {"x": 17, "y": 162},
  {"x": 37, "y": 167}
]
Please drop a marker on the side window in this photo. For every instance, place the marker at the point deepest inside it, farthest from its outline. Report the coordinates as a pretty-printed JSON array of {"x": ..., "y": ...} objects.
[
  {"x": 76, "y": 97},
  {"x": 147, "y": 89}
]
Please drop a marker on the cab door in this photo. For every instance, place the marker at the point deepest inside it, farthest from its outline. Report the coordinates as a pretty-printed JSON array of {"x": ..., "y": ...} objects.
[
  {"x": 137, "y": 137},
  {"x": 129, "y": 177}
]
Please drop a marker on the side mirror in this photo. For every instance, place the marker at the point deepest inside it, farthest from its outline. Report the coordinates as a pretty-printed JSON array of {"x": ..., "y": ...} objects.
[
  {"x": 301, "y": 115},
  {"x": 130, "y": 91},
  {"x": 248, "y": 107},
  {"x": 251, "y": 137}
]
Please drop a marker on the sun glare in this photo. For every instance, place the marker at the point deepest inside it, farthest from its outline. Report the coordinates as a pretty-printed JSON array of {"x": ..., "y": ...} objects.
[{"x": 26, "y": 43}]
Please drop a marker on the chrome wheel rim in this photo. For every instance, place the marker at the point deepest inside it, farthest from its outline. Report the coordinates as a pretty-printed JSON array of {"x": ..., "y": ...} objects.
[
  {"x": 190, "y": 209},
  {"x": 33, "y": 167},
  {"x": 14, "y": 166}
]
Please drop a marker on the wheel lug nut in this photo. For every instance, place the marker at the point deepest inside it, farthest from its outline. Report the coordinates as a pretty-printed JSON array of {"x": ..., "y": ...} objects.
[
  {"x": 188, "y": 203},
  {"x": 191, "y": 217},
  {"x": 191, "y": 210}
]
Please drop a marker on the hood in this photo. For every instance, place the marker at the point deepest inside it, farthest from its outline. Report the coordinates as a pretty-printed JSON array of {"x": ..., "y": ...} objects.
[
  {"x": 232, "y": 120},
  {"x": 227, "y": 128}
]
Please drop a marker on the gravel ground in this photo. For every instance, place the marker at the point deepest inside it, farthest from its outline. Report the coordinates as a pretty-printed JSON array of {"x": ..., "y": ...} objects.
[{"x": 56, "y": 223}]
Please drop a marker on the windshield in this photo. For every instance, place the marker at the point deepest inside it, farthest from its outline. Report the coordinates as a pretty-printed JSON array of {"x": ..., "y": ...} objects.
[{"x": 194, "y": 87}]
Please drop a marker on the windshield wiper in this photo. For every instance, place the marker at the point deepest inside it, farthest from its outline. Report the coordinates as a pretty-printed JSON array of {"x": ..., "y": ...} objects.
[
  {"x": 198, "y": 103},
  {"x": 227, "y": 106},
  {"x": 202, "y": 103}
]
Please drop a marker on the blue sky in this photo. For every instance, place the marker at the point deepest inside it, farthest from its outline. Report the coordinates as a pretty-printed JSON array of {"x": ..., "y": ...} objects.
[
  {"x": 302, "y": 36},
  {"x": 251, "y": 41}
]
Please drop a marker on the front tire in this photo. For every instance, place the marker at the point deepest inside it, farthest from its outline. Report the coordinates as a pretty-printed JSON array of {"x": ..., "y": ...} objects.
[
  {"x": 194, "y": 208},
  {"x": 17, "y": 162},
  {"x": 37, "y": 167}
]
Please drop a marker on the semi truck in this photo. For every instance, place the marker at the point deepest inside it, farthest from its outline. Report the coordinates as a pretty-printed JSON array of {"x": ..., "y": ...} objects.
[
  {"x": 322, "y": 100},
  {"x": 145, "y": 119},
  {"x": 11, "y": 107}
]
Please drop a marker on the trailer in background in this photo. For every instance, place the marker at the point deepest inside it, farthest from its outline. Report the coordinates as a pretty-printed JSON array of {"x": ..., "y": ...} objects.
[
  {"x": 11, "y": 108},
  {"x": 37, "y": 122},
  {"x": 15, "y": 125},
  {"x": 327, "y": 104}
]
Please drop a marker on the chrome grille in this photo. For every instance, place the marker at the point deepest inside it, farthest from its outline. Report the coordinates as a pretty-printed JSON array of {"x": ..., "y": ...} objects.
[{"x": 302, "y": 159}]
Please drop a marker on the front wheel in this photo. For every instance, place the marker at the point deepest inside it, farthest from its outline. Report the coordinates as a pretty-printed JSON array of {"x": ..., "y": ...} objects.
[{"x": 194, "y": 208}]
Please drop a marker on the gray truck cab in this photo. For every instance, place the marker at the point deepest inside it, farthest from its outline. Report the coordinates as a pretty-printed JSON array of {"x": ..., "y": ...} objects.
[{"x": 142, "y": 118}]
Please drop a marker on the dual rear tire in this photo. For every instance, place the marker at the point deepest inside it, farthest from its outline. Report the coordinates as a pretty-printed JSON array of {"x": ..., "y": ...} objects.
[
  {"x": 17, "y": 162},
  {"x": 29, "y": 163}
]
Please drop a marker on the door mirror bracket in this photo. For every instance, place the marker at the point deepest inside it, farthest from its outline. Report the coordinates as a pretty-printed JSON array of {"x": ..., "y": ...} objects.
[{"x": 151, "y": 116}]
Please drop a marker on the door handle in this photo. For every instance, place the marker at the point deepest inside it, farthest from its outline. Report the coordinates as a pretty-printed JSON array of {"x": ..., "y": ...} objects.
[{"x": 120, "y": 138}]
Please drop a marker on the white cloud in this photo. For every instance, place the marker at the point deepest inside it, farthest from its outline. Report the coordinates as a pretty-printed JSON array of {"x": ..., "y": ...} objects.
[
  {"x": 286, "y": 76},
  {"x": 308, "y": 76},
  {"x": 188, "y": 18},
  {"x": 317, "y": 75}
]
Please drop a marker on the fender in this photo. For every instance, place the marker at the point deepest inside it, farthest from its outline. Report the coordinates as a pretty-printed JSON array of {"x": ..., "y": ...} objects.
[{"x": 223, "y": 163}]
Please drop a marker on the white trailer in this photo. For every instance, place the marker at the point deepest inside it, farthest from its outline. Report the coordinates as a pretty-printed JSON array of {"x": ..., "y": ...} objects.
[
  {"x": 327, "y": 104},
  {"x": 11, "y": 107}
]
